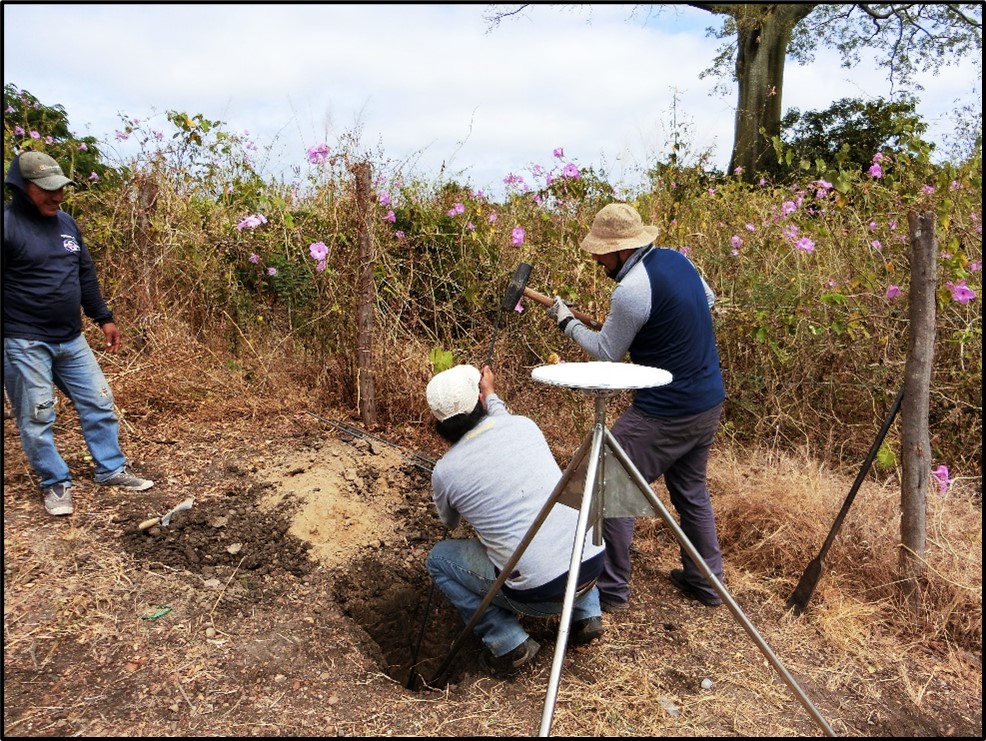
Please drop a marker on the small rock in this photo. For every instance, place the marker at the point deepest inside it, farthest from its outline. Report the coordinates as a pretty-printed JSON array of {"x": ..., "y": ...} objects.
[
  {"x": 210, "y": 632},
  {"x": 708, "y": 684}
]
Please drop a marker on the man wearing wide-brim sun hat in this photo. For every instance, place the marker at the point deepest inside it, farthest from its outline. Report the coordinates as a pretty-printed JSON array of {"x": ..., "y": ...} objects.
[{"x": 660, "y": 314}]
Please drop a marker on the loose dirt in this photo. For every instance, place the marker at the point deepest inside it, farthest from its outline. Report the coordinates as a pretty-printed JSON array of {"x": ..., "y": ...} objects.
[{"x": 290, "y": 600}]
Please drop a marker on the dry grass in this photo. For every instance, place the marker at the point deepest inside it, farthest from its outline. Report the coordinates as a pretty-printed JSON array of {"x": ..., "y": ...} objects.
[{"x": 73, "y": 602}]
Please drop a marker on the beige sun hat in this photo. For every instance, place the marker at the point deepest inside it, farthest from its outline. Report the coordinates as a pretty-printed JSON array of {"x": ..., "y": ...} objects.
[
  {"x": 453, "y": 391},
  {"x": 618, "y": 227}
]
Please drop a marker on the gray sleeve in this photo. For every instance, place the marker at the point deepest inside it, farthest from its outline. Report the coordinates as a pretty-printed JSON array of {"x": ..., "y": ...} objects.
[
  {"x": 709, "y": 295},
  {"x": 629, "y": 309},
  {"x": 439, "y": 492}
]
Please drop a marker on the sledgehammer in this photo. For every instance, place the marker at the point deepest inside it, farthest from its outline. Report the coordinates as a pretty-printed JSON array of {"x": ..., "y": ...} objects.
[{"x": 546, "y": 301}]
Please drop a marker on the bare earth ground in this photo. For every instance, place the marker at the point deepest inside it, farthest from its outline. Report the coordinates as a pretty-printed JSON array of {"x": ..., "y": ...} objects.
[{"x": 289, "y": 599}]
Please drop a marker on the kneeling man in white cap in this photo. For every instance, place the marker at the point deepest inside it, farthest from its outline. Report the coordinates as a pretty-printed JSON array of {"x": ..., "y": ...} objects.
[{"x": 496, "y": 475}]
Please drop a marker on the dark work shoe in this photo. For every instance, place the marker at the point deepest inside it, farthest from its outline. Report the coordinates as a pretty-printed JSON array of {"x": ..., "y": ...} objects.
[
  {"x": 58, "y": 499},
  {"x": 510, "y": 663},
  {"x": 586, "y": 631},
  {"x": 677, "y": 577},
  {"x": 607, "y": 606}
]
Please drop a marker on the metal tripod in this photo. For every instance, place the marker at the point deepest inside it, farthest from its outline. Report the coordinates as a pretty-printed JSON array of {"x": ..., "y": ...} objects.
[{"x": 613, "y": 487}]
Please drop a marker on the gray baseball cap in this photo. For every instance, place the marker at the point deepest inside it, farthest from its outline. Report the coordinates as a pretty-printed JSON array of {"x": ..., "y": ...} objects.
[{"x": 42, "y": 170}]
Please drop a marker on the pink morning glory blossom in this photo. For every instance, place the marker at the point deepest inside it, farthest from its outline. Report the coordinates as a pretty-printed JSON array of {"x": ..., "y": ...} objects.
[
  {"x": 570, "y": 171},
  {"x": 875, "y": 171},
  {"x": 254, "y": 258},
  {"x": 960, "y": 291},
  {"x": 517, "y": 236},
  {"x": 271, "y": 271},
  {"x": 941, "y": 476},
  {"x": 892, "y": 292},
  {"x": 391, "y": 217},
  {"x": 559, "y": 152},
  {"x": 805, "y": 245},
  {"x": 251, "y": 222},
  {"x": 318, "y": 154},
  {"x": 318, "y": 250}
]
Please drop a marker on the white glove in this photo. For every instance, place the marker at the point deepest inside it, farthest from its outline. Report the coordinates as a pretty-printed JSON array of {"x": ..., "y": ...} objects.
[{"x": 560, "y": 312}]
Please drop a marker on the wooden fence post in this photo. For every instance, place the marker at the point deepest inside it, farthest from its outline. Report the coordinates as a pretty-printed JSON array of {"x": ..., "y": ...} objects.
[
  {"x": 366, "y": 300},
  {"x": 915, "y": 439}
]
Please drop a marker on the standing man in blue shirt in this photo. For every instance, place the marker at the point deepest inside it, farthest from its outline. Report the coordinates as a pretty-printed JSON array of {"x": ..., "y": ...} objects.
[
  {"x": 660, "y": 314},
  {"x": 48, "y": 274}
]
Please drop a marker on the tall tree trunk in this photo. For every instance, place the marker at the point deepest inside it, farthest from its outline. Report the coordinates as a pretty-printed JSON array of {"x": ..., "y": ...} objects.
[
  {"x": 915, "y": 440},
  {"x": 366, "y": 299},
  {"x": 763, "y": 35}
]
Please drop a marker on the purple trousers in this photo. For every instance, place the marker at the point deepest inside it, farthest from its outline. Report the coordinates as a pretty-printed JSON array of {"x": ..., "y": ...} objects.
[{"x": 677, "y": 448}]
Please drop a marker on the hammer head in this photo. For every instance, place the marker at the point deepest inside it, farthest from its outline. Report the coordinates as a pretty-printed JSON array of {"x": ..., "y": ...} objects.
[{"x": 515, "y": 289}]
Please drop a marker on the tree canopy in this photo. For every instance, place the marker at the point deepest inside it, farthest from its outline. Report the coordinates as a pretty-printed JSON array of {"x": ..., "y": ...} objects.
[{"x": 906, "y": 38}]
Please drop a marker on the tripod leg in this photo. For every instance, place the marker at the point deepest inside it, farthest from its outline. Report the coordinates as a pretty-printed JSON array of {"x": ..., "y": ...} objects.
[
  {"x": 509, "y": 565},
  {"x": 573, "y": 579},
  {"x": 696, "y": 557}
]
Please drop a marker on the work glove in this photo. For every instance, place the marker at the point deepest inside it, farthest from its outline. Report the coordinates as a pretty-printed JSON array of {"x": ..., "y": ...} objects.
[{"x": 560, "y": 312}]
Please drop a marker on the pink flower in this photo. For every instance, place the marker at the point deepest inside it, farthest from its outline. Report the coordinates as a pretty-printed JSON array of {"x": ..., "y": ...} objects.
[
  {"x": 559, "y": 152},
  {"x": 892, "y": 292},
  {"x": 318, "y": 250},
  {"x": 254, "y": 258},
  {"x": 960, "y": 291},
  {"x": 876, "y": 244},
  {"x": 517, "y": 236},
  {"x": 875, "y": 171},
  {"x": 805, "y": 245},
  {"x": 18, "y": 131},
  {"x": 940, "y": 475},
  {"x": 83, "y": 147},
  {"x": 93, "y": 176},
  {"x": 570, "y": 171},
  {"x": 384, "y": 199},
  {"x": 736, "y": 241},
  {"x": 271, "y": 271},
  {"x": 35, "y": 135},
  {"x": 251, "y": 222},
  {"x": 318, "y": 154},
  {"x": 927, "y": 189},
  {"x": 391, "y": 217}
]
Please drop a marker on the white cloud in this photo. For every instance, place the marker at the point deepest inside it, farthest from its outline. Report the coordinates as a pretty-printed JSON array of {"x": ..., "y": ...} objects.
[{"x": 430, "y": 83}]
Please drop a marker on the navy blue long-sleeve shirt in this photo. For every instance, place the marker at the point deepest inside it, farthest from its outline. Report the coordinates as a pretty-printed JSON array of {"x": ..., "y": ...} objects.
[{"x": 48, "y": 273}]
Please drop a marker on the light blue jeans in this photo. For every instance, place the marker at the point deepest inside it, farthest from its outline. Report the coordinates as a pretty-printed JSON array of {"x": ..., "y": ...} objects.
[
  {"x": 31, "y": 369},
  {"x": 464, "y": 573}
]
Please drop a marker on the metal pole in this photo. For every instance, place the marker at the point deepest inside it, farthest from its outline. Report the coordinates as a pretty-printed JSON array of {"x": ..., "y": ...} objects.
[{"x": 573, "y": 578}]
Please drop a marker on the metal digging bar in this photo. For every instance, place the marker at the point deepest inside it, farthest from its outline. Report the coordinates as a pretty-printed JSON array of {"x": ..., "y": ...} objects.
[
  {"x": 798, "y": 600},
  {"x": 511, "y": 297},
  {"x": 419, "y": 461}
]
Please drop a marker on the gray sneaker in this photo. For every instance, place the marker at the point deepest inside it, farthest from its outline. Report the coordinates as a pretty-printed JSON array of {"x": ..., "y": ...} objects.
[
  {"x": 127, "y": 479},
  {"x": 58, "y": 499}
]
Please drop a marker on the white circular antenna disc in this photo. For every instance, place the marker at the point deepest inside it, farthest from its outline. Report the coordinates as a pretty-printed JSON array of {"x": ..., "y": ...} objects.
[{"x": 601, "y": 375}]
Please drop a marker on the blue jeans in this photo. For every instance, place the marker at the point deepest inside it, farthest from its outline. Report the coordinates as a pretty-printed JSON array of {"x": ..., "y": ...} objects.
[
  {"x": 464, "y": 573},
  {"x": 31, "y": 369}
]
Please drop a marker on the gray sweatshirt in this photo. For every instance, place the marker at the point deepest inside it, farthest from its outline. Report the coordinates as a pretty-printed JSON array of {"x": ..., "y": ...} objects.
[{"x": 497, "y": 478}]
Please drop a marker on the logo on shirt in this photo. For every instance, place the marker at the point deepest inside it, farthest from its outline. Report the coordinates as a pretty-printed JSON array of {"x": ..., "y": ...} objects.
[{"x": 70, "y": 244}]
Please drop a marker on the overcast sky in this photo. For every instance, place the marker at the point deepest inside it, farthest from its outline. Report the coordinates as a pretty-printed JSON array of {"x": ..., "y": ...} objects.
[{"x": 428, "y": 85}]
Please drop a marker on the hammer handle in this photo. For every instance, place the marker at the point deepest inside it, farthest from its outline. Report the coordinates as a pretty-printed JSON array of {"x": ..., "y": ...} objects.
[{"x": 545, "y": 301}]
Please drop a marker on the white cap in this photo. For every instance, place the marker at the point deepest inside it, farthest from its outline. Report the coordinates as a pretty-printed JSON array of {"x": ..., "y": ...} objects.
[{"x": 453, "y": 391}]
